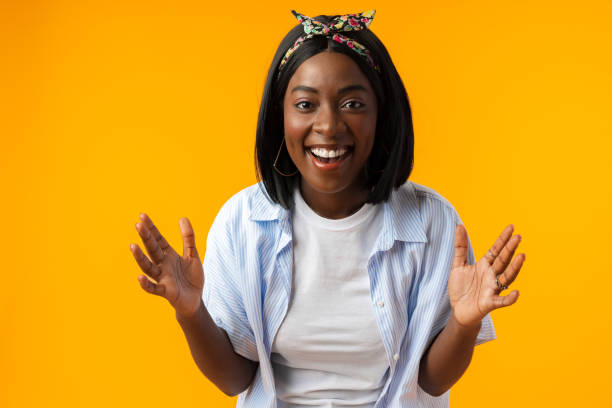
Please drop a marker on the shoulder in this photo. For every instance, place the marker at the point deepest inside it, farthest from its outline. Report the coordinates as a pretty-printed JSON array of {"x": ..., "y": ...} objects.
[
  {"x": 431, "y": 206},
  {"x": 239, "y": 234},
  {"x": 423, "y": 196},
  {"x": 427, "y": 195},
  {"x": 250, "y": 203}
]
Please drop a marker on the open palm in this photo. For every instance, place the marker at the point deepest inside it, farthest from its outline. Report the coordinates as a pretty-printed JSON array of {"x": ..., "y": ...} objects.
[
  {"x": 179, "y": 279},
  {"x": 473, "y": 289}
]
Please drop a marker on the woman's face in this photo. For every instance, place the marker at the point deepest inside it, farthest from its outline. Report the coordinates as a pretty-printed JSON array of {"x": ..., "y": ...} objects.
[{"x": 330, "y": 123}]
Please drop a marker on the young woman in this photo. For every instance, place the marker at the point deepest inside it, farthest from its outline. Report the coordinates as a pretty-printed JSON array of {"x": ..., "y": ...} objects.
[{"x": 334, "y": 281}]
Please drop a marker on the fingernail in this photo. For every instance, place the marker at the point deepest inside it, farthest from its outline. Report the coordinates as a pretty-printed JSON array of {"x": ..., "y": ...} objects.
[
  {"x": 137, "y": 225},
  {"x": 132, "y": 246},
  {"x": 142, "y": 216}
]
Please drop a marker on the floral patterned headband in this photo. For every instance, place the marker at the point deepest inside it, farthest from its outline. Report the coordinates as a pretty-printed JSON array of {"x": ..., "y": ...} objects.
[{"x": 347, "y": 22}]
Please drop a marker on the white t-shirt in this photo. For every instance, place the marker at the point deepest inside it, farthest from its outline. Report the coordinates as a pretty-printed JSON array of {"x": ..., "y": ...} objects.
[{"x": 328, "y": 351}]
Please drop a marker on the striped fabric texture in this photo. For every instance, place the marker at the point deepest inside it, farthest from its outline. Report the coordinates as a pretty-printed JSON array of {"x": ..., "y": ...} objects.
[{"x": 248, "y": 275}]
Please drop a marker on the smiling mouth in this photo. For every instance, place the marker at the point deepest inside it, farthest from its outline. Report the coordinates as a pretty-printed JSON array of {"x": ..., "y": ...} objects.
[{"x": 329, "y": 158}]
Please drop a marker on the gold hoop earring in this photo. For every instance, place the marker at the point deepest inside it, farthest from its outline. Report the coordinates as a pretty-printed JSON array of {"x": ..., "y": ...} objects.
[{"x": 275, "y": 160}]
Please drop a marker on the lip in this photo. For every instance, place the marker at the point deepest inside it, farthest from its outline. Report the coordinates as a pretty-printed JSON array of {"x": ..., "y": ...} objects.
[
  {"x": 329, "y": 146},
  {"x": 329, "y": 166}
]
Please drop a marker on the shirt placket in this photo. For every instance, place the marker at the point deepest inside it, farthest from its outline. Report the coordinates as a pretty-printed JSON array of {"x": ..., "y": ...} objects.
[
  {"x": 384, "y": 319},
  {"x": 282, "y": 271}
]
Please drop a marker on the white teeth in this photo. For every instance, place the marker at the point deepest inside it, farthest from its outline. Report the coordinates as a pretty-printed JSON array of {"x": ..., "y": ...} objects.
[{"x": 322, "y": 152}]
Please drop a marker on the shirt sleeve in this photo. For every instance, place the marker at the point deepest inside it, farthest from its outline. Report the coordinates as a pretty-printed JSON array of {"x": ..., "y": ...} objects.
[
  {"x": 487, "y": 330},
  {"x": 222, "y": 294}
]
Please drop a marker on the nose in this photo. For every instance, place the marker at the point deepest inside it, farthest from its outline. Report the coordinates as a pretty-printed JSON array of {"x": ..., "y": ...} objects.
[{"x": 327, "y": 122}]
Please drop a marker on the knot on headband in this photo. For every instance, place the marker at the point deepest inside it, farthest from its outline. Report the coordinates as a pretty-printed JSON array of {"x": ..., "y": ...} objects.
[{"x": 339, "y": 24}]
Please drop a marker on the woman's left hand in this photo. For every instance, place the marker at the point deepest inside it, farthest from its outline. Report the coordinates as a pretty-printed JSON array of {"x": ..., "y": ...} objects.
[{"x": 474, "y": 289}]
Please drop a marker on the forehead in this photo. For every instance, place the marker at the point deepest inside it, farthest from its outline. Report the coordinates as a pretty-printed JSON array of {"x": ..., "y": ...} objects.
[{"x": 329, "y": 70}]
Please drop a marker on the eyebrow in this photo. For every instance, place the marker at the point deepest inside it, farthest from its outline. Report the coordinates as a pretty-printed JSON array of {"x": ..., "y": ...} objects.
[{"x": 340, "y": 91}]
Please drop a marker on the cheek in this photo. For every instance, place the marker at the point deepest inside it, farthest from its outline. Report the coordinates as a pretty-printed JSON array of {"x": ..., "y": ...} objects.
[
  {"x": 296, "y": 128},
  {"x": 294, "y": 137},
  {"x": 294, "y": 147},
  {"x": 365, "y": 130}
]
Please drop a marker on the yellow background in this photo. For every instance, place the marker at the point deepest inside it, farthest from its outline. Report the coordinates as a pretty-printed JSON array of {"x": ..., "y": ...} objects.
[{"x": 109, "y": 108}]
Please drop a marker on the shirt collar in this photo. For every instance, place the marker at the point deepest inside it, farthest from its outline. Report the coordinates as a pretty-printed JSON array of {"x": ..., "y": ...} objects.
[
  {"x": 402, "y": 218},
  {"x": 262, "y": 208},
  {"x": 407, "y": 222}
]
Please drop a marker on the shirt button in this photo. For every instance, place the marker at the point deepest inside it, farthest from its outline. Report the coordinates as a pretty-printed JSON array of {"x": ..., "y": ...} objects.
[
  {"x": 381, "y": 303},
  {"x": 396, "y": 357}
]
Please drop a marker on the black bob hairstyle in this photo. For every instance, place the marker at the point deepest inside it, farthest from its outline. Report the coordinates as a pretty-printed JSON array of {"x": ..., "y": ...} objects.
[{"x": 392, "y": 157}]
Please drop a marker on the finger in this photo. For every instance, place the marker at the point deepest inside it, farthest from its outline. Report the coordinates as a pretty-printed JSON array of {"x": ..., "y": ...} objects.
[
  {"x": 499, "y": 244},
  {"x": 150, "y": 243},
  {"x": 189, "y": 245},
  {"x": 503, "y": 301},
  {"x": 506, "y": 254},
  {"x": 510, "y": 274},
  {"x": 161, "y": 241},
  {"x": 146, "y": 266},
  {"x": 461, "y": 247},
  {"x": 151, "y": 287}
]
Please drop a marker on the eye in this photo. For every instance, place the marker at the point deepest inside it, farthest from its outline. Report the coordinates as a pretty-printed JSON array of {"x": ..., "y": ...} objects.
[
  {"x": 354, "y": 105},
  {"x": 303, "y": 105}
]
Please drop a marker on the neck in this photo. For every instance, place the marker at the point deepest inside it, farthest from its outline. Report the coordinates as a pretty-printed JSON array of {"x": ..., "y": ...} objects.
[{"x": 335, "y": 205}]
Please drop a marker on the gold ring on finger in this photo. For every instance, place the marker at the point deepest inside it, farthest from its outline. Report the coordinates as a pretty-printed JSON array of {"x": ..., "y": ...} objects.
[{"x": 499, "y": 285}]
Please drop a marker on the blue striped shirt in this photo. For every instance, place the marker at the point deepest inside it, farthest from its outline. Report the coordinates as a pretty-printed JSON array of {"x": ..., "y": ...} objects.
[{"x": 248, "y": 276}]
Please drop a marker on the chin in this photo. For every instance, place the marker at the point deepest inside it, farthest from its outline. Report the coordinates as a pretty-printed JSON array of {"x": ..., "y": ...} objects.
[{"x": 329, "y": 186}]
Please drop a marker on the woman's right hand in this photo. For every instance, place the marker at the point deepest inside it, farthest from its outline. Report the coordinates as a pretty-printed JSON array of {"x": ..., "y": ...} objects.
[{"x": 178, "y": 279}]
